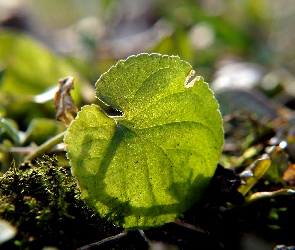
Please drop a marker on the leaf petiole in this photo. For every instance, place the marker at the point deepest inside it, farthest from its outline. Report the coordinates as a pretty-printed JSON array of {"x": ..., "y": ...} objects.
[{"x": 45, "y": 147}]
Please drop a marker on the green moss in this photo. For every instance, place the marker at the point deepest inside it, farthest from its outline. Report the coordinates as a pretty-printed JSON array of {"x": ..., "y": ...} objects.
[{"x": 42, "y": 200}]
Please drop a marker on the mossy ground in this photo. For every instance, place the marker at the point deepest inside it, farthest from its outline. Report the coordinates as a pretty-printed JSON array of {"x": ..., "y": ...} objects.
[{"x": 43, "y": 202}]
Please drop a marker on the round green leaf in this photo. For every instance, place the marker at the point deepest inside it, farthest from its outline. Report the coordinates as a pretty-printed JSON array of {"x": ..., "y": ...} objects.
[{"x": 146, "y": 167}]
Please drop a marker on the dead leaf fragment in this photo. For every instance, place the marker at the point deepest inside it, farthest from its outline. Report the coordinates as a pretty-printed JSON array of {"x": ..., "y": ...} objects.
[
  {"x": 63, "y": 101},
  {"x": 188, "y": 83},
  {"x": 289, "y": 175}
]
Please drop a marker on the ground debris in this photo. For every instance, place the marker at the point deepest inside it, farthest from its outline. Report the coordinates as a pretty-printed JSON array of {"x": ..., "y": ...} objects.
[{"x": 63, "y": 101}]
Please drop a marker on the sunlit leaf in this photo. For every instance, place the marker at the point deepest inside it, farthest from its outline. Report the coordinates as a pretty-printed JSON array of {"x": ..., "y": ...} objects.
[
  {"x": 268, "y": 195},
  {"x": 279, "y": 164},
  {"x": 145, "y": 168},
  {"x": 253, "y": 173}
]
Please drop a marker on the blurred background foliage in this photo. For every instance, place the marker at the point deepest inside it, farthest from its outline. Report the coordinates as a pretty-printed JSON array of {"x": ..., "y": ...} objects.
[
  {"x": 245, "y": 49},
  {"x": 232, "y": 43}
]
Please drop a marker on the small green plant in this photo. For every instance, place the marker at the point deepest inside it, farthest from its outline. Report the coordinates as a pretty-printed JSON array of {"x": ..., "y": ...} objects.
[{"x": 144, "y": 168}]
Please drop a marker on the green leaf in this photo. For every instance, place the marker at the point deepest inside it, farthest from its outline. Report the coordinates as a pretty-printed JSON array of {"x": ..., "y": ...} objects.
[
  {"x": 279, "y": 164},
  {"x": 41, "y": 129},
  {"x": 253, "y": 173},
  {"x": 149, "y": 165},
  {"x": 268, "y": 195},
  {"x": 29, "y": 67},
  {"x": 9, "y": 127}
]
